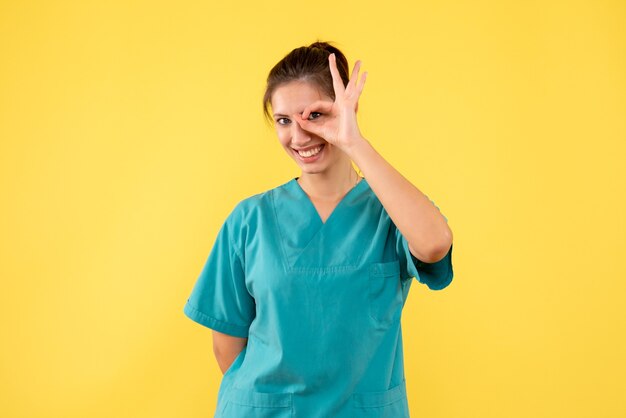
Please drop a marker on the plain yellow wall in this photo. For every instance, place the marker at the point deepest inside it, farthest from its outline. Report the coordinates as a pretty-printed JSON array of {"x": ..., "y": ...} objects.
[{"x": 130, "y": 129}]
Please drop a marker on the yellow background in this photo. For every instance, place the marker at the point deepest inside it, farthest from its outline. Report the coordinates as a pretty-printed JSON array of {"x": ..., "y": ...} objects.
[{"x": 130, "y": 129}]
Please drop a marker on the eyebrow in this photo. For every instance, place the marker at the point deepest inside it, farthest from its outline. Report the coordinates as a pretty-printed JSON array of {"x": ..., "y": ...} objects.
[{"x": 280, "y": 114}]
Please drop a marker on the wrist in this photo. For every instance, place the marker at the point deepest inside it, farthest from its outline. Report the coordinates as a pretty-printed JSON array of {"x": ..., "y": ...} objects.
[{"x": 354, "y": 146}]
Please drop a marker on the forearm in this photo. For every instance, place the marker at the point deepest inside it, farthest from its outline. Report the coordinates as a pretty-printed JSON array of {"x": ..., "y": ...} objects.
[
  {"x": 226, "y": 348},
  {"x": 423, "y": 225}
]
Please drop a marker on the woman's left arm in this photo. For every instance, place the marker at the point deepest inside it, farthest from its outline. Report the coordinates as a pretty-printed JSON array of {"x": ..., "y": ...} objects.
[
  {"x": 417, "y": 218},
  {"x": 419, "y": 221}
]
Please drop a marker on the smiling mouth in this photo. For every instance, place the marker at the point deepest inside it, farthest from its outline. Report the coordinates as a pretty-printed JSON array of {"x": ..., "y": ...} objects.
[{"x": 311, "y": 152}]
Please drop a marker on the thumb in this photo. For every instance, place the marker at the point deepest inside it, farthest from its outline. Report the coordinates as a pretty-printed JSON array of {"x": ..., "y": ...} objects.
[{"x": 322, "y": 106}]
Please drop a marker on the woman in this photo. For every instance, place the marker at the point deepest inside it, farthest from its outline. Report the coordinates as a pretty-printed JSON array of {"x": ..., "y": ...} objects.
[{"x": 305, "y": 284}]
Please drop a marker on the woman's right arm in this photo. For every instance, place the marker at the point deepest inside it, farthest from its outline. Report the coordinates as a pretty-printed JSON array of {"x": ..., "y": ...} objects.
[{"x": 226, "y": 348}]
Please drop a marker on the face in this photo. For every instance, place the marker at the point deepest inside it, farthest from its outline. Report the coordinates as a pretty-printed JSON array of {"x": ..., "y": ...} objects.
[{"x": 288, "y": 101}]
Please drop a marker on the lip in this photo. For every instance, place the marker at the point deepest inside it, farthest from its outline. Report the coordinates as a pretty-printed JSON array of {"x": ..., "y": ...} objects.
[
  {"x": 307, "y": 148},
  {"x": 312, "y": 158}
]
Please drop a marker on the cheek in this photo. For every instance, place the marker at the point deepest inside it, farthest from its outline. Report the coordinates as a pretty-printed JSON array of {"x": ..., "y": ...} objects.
[{"x": 283, "y": 137}]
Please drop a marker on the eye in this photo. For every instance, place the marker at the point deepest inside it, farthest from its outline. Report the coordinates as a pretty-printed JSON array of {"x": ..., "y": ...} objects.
[
  {"x": 314, "y": 115},
  {"x": 282, "y": 121}
]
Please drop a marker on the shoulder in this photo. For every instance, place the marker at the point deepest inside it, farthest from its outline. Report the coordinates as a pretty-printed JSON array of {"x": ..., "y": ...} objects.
[
  {"x": 253, "y": 206},
  {"x": 249, "y": 215}
]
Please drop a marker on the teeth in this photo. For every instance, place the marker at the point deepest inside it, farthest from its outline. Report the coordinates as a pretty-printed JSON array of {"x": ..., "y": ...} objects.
[{"x": 311, "y": 152}]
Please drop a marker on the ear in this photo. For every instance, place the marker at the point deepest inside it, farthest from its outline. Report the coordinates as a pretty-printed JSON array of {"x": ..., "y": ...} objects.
[{"x": 356, "y": 109}]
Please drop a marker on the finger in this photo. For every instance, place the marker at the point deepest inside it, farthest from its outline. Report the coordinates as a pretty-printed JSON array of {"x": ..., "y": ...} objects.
[
  {"x": 337, "y": 81},
  {"x": 310, "y": 126},
  {"x": 355, "y": 73},
  {"x": 321, "y": 106},
  {"x": 359, "y": 87}
]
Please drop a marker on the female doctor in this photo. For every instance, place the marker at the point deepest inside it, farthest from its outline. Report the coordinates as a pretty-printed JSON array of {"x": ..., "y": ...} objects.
[{"x": 305, "y": 284}]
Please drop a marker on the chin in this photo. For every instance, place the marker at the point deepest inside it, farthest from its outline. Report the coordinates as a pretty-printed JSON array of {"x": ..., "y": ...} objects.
[
  {"x": 311, "y": 170},
  {"x": 307, "y": 169},
  {"x": 317, "y": 167}
]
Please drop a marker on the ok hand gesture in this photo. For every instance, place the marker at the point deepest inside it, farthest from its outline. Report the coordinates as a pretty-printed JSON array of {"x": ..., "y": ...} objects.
[{"x": 337, "y": 120}]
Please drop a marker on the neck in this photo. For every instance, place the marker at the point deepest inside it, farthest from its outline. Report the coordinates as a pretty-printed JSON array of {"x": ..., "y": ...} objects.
[{"x": 330, "y": 185}]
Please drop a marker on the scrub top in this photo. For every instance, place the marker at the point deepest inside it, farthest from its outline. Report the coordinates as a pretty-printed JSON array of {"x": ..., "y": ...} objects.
[{"x": 320, "y": 304}]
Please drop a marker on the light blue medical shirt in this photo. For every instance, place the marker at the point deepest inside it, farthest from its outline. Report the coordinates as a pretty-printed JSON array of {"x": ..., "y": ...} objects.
[{"x": 320, "y": 304}]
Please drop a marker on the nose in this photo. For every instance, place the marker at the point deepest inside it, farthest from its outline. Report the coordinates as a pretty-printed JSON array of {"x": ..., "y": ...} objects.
[{"x": 299, "y": 136}]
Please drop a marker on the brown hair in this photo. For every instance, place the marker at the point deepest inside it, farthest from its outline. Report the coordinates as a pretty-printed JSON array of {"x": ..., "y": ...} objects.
[{"x": 307, "y": 63}]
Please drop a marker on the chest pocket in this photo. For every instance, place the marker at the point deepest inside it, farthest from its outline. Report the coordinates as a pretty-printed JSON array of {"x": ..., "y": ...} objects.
[
  {"x": 247, "y": 403},
  {"x": 385, "y": 292}
]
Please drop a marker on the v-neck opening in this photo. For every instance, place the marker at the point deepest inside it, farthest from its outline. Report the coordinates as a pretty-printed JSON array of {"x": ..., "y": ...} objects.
[
  {"x": 337, "y": 206},
  {"x": 307, "y": 243}
]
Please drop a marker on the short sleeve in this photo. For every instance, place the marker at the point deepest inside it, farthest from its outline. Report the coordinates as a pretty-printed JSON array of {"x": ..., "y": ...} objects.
[
  {"x": 220, "y": 299},
  {"x": 436, "y": 275}
]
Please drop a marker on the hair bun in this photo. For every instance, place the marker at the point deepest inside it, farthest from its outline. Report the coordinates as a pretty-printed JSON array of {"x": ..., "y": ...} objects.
[{"x": 325, "y": 46}]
